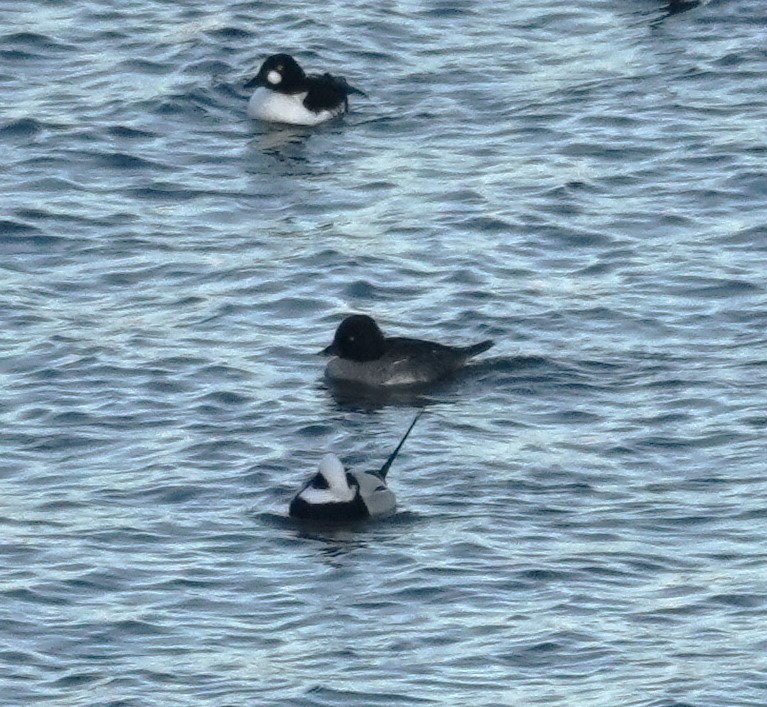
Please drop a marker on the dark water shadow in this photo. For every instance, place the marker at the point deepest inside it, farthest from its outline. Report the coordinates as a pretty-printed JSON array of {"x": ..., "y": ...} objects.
[
  {"x": 285, "y": 143},
  {"x": 353, "y": 397},
  {"x": 675, "y": 7},
  {"x": 340, "y": 538},
  {"x": 659, "y": 11}
]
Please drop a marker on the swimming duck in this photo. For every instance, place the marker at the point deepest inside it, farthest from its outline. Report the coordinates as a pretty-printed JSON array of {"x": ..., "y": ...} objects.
[
  {"x": 285, "y": 94},
  {"x": 336, "y": 495},
  {"x": 362, "y": 354}
]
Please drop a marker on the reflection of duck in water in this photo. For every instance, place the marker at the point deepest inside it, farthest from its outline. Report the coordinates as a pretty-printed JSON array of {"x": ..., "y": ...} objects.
[{"x": 674, "y": 7}]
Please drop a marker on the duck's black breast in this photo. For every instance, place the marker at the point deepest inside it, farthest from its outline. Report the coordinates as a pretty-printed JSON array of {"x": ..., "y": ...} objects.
[{"x": 329, "y": 512}]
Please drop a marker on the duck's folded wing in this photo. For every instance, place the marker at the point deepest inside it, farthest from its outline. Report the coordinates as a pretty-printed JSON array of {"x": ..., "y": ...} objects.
[{"x": 326, "y": 92}]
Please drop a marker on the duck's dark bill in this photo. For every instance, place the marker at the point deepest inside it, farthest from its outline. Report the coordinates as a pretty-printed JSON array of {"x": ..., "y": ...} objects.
[{"x": 255, "y": 81}]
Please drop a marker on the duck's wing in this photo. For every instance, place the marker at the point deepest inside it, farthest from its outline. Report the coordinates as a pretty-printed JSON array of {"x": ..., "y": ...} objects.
[
  {"x": 428, "y": 361},
  {"x": 328, "y": 92}
]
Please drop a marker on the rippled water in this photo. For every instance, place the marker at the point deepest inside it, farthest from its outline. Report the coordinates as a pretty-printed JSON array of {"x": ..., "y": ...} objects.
[{"x": 582, "y": 515}]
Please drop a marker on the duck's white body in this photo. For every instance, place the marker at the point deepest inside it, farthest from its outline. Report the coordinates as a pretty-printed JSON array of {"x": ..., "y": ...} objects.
[{"x": 274, "y": 107}]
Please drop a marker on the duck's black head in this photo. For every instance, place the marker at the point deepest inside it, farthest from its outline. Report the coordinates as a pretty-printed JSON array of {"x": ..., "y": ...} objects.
[
  {"x": 358, "y": 338},
  {"x": 280, "y": 72}
]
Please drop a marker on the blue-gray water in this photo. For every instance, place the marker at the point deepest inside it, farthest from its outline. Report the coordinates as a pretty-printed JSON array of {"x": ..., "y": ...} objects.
[{"x": 582, "y": 516}]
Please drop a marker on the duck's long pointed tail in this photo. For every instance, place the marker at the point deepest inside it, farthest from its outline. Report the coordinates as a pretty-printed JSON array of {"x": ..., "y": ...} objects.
[
  {"x": 479, "y": 348},
  {"x": 393, "y": 455}
]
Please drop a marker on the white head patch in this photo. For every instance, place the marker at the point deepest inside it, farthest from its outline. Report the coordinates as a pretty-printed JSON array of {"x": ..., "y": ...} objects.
[{"x": 274, "y": 77}]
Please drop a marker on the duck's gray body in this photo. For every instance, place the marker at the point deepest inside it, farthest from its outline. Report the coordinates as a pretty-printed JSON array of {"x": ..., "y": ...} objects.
[
  {"x": 406, "y": 362},
  {"x": 336, "y": 495}
]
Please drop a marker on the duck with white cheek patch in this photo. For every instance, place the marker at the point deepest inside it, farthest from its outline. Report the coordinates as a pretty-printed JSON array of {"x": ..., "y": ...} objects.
[
  {"x": 335, "y": 495},
  {"x": 285, "y": 94}
]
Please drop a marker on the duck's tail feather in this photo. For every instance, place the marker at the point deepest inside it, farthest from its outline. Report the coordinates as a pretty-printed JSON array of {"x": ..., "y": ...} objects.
[
  {"x": 481, "y": 347},
  {"x": 347, "y": 86},
  {"x": 393, "y": 455}
]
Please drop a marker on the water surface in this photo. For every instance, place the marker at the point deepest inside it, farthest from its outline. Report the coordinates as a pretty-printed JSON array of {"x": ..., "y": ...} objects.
[{"x": 582, "y": 515}]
